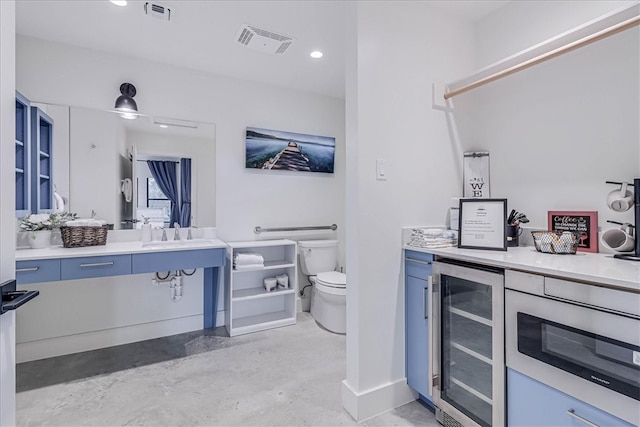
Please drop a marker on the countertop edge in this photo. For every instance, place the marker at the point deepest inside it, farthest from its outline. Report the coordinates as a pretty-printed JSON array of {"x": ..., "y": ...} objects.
[
  {"x": 116, "y": 248},
  {"x": 604, "y": 268}
]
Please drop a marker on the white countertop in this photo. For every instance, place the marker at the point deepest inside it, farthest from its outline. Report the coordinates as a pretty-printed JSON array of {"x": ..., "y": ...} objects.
[
  {"x": 117, "y": 248},
  {"x": 590, "y": 267}
]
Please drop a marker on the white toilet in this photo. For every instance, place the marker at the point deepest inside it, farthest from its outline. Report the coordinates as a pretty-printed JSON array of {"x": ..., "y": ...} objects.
[{"x": 318, "y": 260}]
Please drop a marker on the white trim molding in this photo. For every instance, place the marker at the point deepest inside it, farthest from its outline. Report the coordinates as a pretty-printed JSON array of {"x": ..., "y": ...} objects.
[{"x": 370, "y": 403}]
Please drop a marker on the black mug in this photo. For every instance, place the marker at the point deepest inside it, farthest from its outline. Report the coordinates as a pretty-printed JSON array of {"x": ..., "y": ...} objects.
[{"x": 513, "y": 235}]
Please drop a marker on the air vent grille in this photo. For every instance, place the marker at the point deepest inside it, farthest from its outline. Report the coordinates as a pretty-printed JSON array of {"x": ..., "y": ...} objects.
[
  {"x": 269, "y": 34},
  {"x": 245, "y": 37},
  {"x": 157, "y": 11},
  {"x": 263, "y": 40}
]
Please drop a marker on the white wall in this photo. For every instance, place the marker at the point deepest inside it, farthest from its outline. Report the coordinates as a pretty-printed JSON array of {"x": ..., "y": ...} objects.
[
  {"x": 105, "y": 312},
  {"x": 524, "y": 23},
  {"x": 244, "y": 198},
  {"x": 396, "y": 50},
  {"x": 559, "y": 130},
  {"x": 55, "y": 73},
  {"x": 93, "y": 140},
  {"x": 7, "y": 208}
]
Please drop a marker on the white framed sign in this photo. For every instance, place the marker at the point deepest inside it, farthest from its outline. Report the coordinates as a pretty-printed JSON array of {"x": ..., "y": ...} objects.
[{"x": 482, "y": 224}]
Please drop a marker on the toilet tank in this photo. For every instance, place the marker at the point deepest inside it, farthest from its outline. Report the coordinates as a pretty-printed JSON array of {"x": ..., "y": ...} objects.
[{"x": 318, "y": 256}]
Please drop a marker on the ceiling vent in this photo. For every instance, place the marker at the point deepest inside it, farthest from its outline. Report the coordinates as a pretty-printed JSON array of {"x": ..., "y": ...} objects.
[
  {"x": 157, "y": 11},
  {"x": 263, "y": 40}
]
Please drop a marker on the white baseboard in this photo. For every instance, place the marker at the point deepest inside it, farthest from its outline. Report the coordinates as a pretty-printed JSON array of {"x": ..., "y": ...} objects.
[
  {"x": 51, "y": 347},
  {"x": 370, "y": 403}
]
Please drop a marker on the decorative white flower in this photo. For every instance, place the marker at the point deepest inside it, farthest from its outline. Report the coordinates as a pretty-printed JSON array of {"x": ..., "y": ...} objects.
[{"x": 35, "y": 222}]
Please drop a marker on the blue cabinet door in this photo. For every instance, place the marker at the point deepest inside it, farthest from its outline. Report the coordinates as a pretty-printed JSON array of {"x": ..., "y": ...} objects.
[
  {"x": 417, "y": 272},
  {"x": 95, "y": 266},
  {"x": 23, "y": 162},
  {"x": 41, "y": 161},
  {"x": 36, "y": 271},
  {"x": 176, "y": 260},
  {"x": 532, "y": 403}
]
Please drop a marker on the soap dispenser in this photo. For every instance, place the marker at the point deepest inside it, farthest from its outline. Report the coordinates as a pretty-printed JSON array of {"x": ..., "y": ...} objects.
[{"x": 146, "y": 230}]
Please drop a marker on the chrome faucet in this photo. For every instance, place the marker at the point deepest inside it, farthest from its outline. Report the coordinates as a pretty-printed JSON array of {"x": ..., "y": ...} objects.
[
  {"x": 189, "y": 236},
  {"x": 176, "y": 234},
  {"x": 164, "y": 234}
]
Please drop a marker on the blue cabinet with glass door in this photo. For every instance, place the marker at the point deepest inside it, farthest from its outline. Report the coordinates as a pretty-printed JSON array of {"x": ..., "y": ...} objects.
[
  {"x": 34, "y": 159},
  {"x": 23, "y": 149},
  {"x": 417, "y": 269},
  {"x": 41, "y": 161}
]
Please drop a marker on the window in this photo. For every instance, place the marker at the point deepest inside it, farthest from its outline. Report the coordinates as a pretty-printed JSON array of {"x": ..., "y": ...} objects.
[{"x": 157, "y": 199}]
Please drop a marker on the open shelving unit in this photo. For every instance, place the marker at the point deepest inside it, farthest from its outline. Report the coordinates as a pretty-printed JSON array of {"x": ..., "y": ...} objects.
[{"x": 249, "y": 307}]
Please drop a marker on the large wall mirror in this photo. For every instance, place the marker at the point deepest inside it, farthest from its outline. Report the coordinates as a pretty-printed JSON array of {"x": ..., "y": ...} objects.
[{"x": 114, "y": 168}]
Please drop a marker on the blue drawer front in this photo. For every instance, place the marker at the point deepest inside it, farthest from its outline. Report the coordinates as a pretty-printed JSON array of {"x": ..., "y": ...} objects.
[
  {"x": 177, "y": 260},
  {"x": 42, "y": 270},
  {"x": 420, "y": 256},
  {"x": 532, "y": 403},
  {"x": 97, "y": 266},
  {"x": 418, "y": 264}
]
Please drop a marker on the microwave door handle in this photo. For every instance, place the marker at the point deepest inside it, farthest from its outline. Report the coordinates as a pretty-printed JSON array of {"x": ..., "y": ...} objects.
[
  {"x": 434, "y": 337},
  {"x": 572, "y": 413}
]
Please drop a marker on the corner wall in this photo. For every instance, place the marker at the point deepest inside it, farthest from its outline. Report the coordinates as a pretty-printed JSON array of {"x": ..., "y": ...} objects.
[{"x": 396, "y": 50}]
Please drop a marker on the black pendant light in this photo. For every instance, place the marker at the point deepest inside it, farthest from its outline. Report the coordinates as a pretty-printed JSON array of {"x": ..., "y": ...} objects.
[{"x": 125, "y": 101}]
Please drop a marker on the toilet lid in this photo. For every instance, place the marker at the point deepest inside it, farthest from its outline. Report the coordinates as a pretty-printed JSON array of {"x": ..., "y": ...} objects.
[{"x": 333, "y": 279}]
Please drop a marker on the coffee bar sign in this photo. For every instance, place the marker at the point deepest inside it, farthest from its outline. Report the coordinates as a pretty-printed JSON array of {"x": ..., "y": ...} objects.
[{"x": 583, "y": 223}]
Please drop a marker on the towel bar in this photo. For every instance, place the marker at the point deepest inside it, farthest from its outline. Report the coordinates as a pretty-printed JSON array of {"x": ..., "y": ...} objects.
[{"x": 259, "y": 229}]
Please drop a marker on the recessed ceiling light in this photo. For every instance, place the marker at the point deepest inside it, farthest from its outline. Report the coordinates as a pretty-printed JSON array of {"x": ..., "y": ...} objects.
[
  {"x": 119, "y": 2},
  {"x": 164, "y": 126},
  {"x": 316, "y": 54}
]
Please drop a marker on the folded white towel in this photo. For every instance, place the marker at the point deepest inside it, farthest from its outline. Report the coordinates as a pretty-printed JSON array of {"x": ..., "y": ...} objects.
[
  {"x": 248, "y": 267},
  {"x": 86, "y": 223},
  {"x": 248, "y": 258}
]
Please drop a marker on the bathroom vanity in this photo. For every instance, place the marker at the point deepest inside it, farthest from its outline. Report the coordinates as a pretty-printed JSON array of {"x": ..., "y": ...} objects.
[
  {"x": 589, "y": 298},
  {"x": 81, "y": 283}
]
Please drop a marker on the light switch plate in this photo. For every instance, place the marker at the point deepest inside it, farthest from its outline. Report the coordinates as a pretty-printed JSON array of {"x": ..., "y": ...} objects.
[{"x": 381, "y": 170}]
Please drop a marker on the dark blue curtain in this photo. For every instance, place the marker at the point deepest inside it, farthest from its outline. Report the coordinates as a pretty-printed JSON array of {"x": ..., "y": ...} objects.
[
  {"x": 185, "y": 183},
  {"x": 165, "y": 175}
]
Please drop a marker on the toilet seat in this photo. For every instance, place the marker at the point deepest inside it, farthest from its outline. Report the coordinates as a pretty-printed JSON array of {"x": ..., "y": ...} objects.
[
  {"x": 332, "y": 279},
  {"x": 332, "y": 282}
]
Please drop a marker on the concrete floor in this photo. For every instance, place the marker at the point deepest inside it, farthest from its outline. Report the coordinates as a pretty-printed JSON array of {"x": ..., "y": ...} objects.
[{"x": 288, "y": 376}]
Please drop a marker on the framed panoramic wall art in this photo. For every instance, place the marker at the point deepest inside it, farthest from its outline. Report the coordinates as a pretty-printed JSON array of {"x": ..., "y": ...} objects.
[{"x": 280, "y": 150}]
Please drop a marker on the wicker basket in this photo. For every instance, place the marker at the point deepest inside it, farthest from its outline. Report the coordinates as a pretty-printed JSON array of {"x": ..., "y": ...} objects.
[
  {"x": 76, "y": 237},
  {"x": 555, "y": 242}
]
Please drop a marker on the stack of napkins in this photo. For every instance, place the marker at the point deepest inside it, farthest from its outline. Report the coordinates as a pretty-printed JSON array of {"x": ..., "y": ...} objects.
[{"x": 433, "y": 238}]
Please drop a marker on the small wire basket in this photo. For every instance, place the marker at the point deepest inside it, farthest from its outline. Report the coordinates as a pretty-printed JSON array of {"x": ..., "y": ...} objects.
[
  {"x": 76, "y": 237},
  {"x": 555, "y": 242}
]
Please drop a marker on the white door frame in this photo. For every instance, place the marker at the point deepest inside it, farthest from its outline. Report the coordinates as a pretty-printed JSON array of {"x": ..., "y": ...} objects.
[{"x": 7, "y": 210}]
